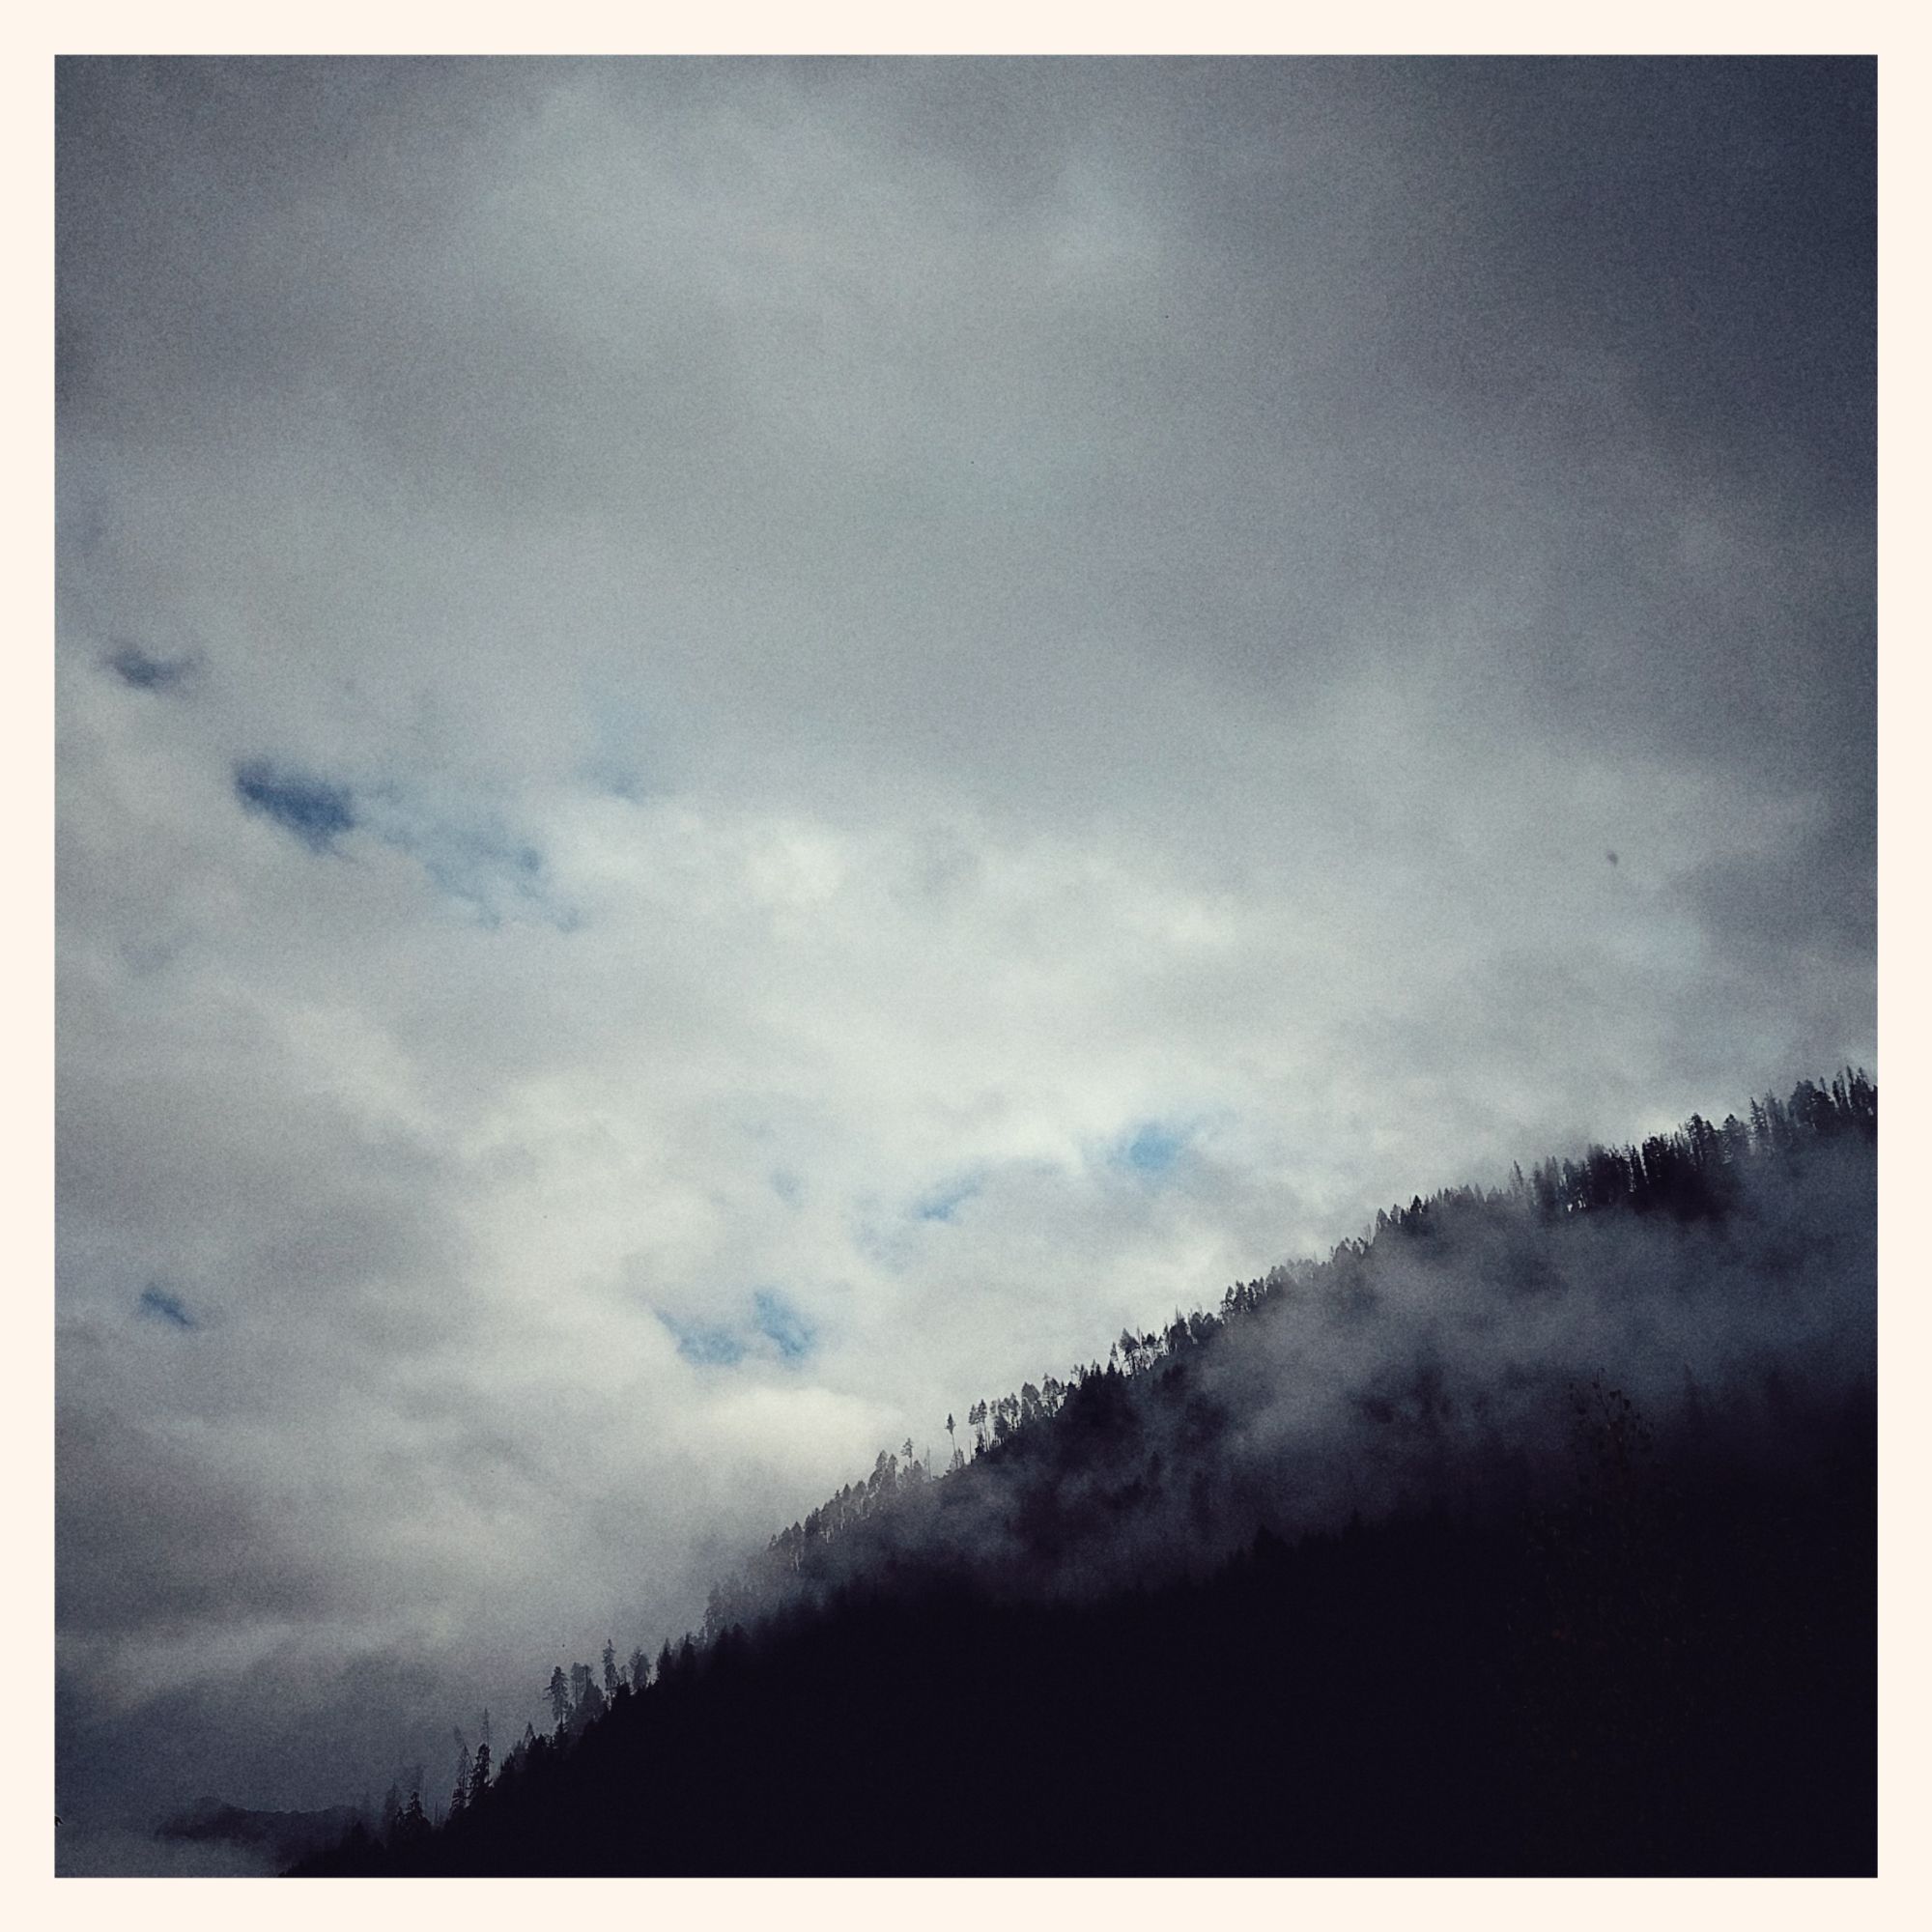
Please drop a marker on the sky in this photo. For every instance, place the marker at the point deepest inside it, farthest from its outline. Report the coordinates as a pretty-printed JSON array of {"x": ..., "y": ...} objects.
[{"x": 744, "y": 750}]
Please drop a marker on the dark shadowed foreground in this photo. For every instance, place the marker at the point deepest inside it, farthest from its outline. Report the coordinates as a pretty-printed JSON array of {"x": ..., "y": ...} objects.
[{"x": 1534, "y": 1534}]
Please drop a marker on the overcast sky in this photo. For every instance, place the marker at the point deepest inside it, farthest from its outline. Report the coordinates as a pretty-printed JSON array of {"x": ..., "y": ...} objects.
[{"x": 746, "y": 749}]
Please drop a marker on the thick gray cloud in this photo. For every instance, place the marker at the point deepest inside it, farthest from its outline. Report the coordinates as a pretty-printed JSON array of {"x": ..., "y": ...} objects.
[{"x": 746, "y": 748}]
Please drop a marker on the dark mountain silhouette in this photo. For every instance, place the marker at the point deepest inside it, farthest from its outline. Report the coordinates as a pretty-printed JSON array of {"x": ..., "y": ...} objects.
[
  {"x": 1535, "y": 1531},
  {"x": 284, "y": 1836}
]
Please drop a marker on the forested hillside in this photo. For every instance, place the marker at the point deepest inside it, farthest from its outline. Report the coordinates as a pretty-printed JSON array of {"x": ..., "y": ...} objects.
[{"x": 1533, "y": 1531}]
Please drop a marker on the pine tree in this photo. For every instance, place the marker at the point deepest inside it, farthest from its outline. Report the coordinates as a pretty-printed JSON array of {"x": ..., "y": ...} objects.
[{"x": 413, "y": 1826}]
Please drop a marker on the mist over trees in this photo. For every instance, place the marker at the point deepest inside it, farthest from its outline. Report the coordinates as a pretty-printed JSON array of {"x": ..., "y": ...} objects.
[
  {"x": 1430, "y": 1352},
  {"x": 1534, "y": 1530}
]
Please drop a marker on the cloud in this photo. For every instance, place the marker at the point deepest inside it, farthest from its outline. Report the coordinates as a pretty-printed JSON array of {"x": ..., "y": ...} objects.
[{"x": 979, "y": 697}]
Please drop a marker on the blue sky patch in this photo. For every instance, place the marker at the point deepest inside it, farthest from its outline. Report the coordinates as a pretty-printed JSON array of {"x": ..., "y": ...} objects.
[
  {"x": 478, "y": 864},
  {"x": 472, "y": 858},
  {"x": 947, "y": 1199},
  {"x": 156, "y": 1301},
  {"x": 617, "y": 776},
  {"x": 782, "y": 1322},
  {"x": 774, "y": 1317},
  {"x": 883, "y": 1237},
  {"x": 145, "y": 672},
  {"x": 315, "y": 811},
  {"x": 702, "y": 1342},
  {"x": 1152, "y": 1148},
  {"x": 630, "y": 732}
]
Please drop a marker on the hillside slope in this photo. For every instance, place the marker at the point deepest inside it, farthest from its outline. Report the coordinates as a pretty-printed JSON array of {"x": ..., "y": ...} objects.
[{"x": 1535, "y": 1532}]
